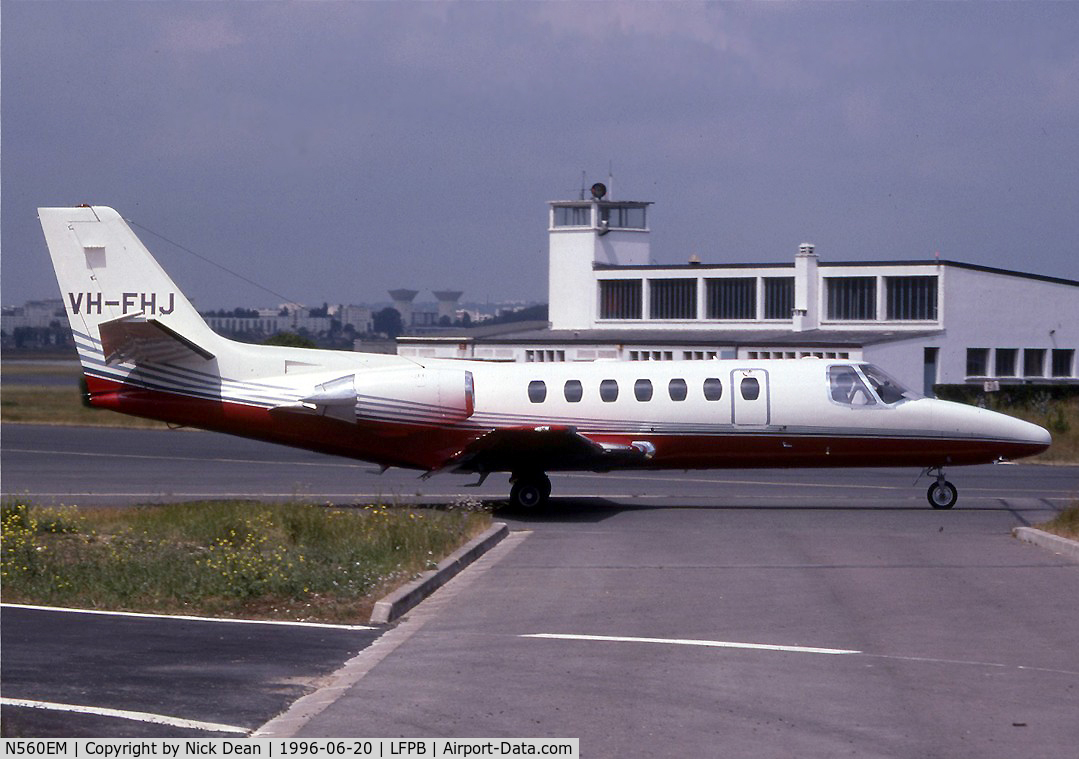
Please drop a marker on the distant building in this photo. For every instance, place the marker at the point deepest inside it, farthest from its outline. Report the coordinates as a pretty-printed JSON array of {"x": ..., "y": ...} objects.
[
  {"x": 36, "y": 324},
  {"x": 33, "y": 313},
  {"x": 928, "y": 322}
]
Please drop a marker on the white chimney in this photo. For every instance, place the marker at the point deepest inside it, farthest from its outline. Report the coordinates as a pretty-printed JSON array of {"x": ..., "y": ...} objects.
[{"x": 806, "y": 289}]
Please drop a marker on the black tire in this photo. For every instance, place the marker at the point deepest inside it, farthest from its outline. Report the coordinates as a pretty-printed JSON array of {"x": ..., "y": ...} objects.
[
  {"x": 530, "y": 492},
  {"x": 942, "y": 495}
]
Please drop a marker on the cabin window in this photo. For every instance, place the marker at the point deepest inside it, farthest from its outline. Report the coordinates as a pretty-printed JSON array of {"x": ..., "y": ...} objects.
[
  {"x": 537, "y": 391},
  {"x": 608, "y": 390},
  {"x": 713, "y": 389},
  {"x": 846, "y": 387},
  {"x": 642, "y": 389},
  {"x": 677, "y": 389},
  {"x": 750, "y": 388},
  {"x": 573, "y": 390}
]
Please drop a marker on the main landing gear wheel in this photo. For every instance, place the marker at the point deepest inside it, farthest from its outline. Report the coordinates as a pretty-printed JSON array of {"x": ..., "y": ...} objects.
[
  {"x": 530, "y": 491},
  {"x": 942, "y": 495}
]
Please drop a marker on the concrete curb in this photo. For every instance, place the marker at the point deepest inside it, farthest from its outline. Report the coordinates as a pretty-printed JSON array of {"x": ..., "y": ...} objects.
[
  {"x": 1058, "y": 545},
  {"x": 404, "y": 598}
]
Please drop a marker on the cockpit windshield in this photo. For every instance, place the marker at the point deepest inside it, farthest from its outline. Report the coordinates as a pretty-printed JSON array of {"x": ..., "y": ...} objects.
[{"x": 888, "y": 389}]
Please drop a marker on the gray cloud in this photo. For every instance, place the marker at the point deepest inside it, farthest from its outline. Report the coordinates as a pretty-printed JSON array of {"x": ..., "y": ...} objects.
[{"x": 332, "y": 151}]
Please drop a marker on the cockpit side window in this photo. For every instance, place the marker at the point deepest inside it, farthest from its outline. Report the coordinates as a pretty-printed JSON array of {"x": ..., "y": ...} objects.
[{"x": 846, "y": 387}]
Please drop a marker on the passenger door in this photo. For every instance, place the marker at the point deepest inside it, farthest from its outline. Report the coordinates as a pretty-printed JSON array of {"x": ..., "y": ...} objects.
[{"x": 749, "y": 396}]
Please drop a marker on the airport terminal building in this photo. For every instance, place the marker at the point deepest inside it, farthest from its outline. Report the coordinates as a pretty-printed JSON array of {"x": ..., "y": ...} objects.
[{"x": 928, "y": 322}]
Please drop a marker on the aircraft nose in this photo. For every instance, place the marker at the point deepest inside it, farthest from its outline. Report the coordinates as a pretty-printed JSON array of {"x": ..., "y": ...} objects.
[
  {"x": 1036, "y": 435},
  {"x": 1031, "y": 438}
]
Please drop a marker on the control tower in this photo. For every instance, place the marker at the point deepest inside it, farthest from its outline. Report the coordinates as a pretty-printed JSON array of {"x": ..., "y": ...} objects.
[{"x": 585, "y": 233}]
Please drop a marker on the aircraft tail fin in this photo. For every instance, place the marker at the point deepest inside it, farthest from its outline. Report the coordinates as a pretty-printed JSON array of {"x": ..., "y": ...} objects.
[{"x": 121, "y": 304}]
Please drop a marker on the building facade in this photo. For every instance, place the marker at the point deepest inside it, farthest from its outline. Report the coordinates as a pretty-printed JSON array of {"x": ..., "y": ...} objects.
[{"x": 928, "y": 322}]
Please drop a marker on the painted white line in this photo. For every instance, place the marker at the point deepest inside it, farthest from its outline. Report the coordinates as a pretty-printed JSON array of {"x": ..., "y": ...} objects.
[
  {"x": 201, "y": 459},
  {"x": 703, "y": 643},
  {"x": 157, "y": 719},
  {"x": 102, "y": 612}
]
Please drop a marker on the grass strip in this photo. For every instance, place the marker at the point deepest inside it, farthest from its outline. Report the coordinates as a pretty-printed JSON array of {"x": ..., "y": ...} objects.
[
  {"x": 290, "y": 561},
  {"x": 1065, "y": 524},
  {"x": 41, "y": 404}
]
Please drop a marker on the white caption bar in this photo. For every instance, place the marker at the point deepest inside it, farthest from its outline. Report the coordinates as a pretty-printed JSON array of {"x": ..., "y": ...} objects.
[{"x": 320, "y": 748}]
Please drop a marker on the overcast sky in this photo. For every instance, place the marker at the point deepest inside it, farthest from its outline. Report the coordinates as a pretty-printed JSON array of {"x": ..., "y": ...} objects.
[{"x": 331, "y": 151}]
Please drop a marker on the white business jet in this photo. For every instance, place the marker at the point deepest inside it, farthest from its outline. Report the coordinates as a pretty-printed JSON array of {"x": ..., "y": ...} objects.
[{"x": 145, "y": 351}]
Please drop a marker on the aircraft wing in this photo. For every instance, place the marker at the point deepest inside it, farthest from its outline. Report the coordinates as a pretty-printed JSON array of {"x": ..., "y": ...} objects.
[
  {"x": 140, "y": 340},
  {"x": 546, "y": 448}
]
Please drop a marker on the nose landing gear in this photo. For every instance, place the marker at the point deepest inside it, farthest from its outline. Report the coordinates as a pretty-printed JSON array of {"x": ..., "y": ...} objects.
[{"x": 941, "y": 494}]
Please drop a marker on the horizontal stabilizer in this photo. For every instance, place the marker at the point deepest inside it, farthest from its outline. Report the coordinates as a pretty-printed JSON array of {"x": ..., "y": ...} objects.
[{"x": 140, "y": 340}]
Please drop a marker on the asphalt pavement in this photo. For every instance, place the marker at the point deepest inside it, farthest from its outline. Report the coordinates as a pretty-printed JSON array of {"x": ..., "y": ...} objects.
[{"x": 766, "y": 613}]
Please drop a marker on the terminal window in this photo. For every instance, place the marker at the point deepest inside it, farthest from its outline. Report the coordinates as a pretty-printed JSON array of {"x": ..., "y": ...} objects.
[
  {"x": 620, "y": 299},
  {"x": 1006, "y": 362},
  {"x": 1063, "y": 358},
  {"x": 1034, "y": 362},
  {"x": 852, "y": 298},
  {"x": 731, "y": 298},
  {"x": 911, "y": 298},
  {"x": 778, "y": 297},
  {"x": 977, "y": 362},
  {"x": 673, "y": 298}
]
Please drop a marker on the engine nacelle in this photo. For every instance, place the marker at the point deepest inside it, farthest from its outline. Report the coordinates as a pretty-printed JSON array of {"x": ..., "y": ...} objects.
[{"x": 416, "y": 395}]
